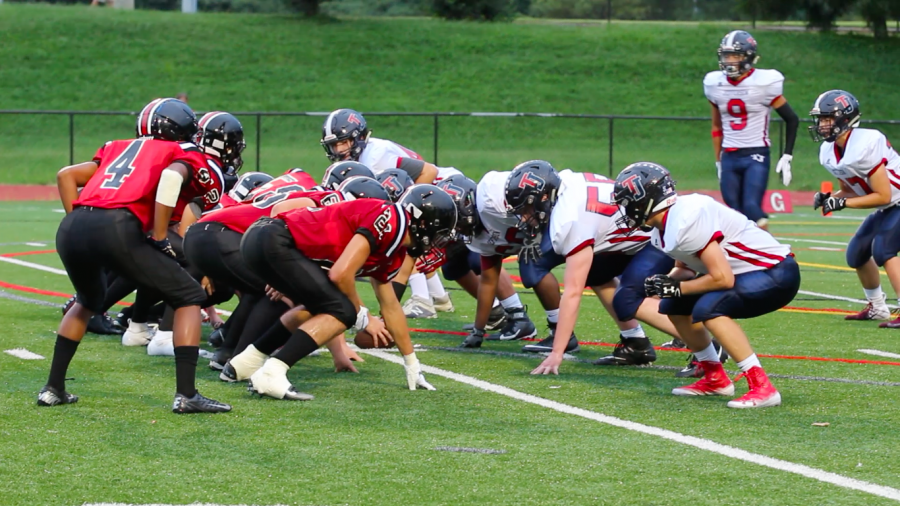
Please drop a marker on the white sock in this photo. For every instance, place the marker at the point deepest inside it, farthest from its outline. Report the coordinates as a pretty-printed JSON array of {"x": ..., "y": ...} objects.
[
  {"x": 749, "y": 362},
  {"x": 874, "y": 295},
  {"x": 435, "y": 287},
  {"x": 709, "y": 354},
  {"x": 137, "y": 327},
  {"x": 512, "y": 301},
  {"x": 419, "y": 286},
  {"x": 632, "y": 333},
  {"x": 496, "y": 303},
  {"x": 552, "y": 315}
]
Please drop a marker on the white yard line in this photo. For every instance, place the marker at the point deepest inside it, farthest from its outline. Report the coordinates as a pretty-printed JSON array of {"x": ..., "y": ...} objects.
[
  {"x": 39, "y": 267},
  {"x": 24, "y": 354},
  {"x": 879, "y": 353},
  {"x": 824, "y": 248},
  {"x": 814, "y": 241},
  {"x": 832, "y": 217},
  {"x": 839, "y": 297},
  {"x": 703, "y": 444}
]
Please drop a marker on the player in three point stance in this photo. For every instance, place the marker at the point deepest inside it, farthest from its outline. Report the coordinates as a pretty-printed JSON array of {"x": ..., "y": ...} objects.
[
  {"x": 725, "y": 268},
  {"x": 346, "y": 136},
  {"x": 580, "y": 223},
  {"x": 131, "y": 188},
  {"x": 365, "y": 237},
  {"x": 741, "y": 96},
  {"x": 868, "y": 169}
]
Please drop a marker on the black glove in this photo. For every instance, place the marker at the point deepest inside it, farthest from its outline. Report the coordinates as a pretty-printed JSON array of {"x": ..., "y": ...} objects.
[
  {"x": 663, "y": 286},
  {"x": 832, "y": 204},
  {"x": 474, "y": 339},
  {"x": 165, "y": 246},
  {"x": 819, "y": 199},
  {"x": 531, "y": 251}
]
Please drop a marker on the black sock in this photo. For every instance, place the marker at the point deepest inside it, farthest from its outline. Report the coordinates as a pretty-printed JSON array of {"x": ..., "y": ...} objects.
[
  {"x": 276, "y": 336},
  {"x": 186, "y": 369},
  {"x": 62, "y": 354},
  {"x": 298, "y": 346},
  {"x": 399, "y": 289}
]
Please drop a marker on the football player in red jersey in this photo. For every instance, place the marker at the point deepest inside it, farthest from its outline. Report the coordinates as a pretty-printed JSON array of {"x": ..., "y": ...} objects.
[
  {"x": 130, "y": 188},
  {"x": 313, "y": 256}
]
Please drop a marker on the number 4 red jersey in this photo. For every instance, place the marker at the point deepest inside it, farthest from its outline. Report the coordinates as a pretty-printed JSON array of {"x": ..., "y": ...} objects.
[
  {"x": 322, "y": 234},
  {"x": 129, "y": 173},
  {"x": 240, "y": 217}
]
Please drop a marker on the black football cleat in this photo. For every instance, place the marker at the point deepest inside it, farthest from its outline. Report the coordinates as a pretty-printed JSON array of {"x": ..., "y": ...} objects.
[
  {"x": 546, "y": 345},
  {"x": 102, "y": 324},
  {"x": 674, "y": 343},
  {"x": 50, "y": 396},
  {"x": 693, "y": 369},
  {"x": 183, "y": 405},
  {"x": 518, "y": 326},
  {"x": 228, "y": 374},
  {"x": 216, "y": 338},
  {"x": 630, "y": 351},
  {"x": 495, "y": 320},
  {"x": 222, "y": 356},
  {"x": 68, "y": 305}
]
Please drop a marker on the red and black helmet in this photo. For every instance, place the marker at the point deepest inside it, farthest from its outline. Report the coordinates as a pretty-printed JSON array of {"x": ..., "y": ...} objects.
[{"x": 167, "y": 119}]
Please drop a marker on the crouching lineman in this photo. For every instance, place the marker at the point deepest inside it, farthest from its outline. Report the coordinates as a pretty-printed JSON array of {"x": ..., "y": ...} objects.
[
  {"x": 868, "y": 169},
  {"x": 585, "y": 236},
  {"x": 131, "y": 188},
  {"x": 365, "y": 237},
  {"x": 726, "y": 268}
]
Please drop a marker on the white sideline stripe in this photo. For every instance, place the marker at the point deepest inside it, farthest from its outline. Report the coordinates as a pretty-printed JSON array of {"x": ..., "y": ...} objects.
[
  {"x": 879, "y": 353},
  {"x": 832, "y": 217},
  {"x": 32, "y": 265},
  {"x": 839, "y": 297},
  {"x": 24, "y": 354},
  {"x": 64, "y": 273},
  {"x": 703, "y": 444},
  {"x": 37, "y": 244},
  {"x": 823, "y": 248},
  {"x": 816, "y": 241},
  {"x": 63, "y": 211}
]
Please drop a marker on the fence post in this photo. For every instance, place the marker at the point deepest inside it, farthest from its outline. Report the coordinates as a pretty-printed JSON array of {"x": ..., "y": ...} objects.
[
  {"x": 71, "y": 138},
  {"x": 610, "y": 147},
  {"x": 435, "y": 140},
  {"x": 258, "y": 137}
]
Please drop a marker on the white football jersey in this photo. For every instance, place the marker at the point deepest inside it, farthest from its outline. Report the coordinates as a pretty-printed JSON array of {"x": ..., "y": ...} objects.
[
  {"x": 381, "y": 155},
  {"x": 501, "y": 234},
  {"x": 744, "y": 105},
  {"x": 585, "y": 216},
  {"x": 445, "y": 172},
  {"x": 866, "y": 150},
  {"x": 695, "y": 221}
]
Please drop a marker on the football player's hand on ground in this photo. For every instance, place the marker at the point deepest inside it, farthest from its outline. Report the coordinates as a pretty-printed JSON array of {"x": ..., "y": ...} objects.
[
  {"x": 550, "y": 365},
  {"x": 379, "y": 332},
  {"x": 344, "y": 364},
  {"x": 414, "y": 377}
]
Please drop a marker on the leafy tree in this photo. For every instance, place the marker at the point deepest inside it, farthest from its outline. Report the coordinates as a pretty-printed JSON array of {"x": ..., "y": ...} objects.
[{"x": 482, "y": 10}]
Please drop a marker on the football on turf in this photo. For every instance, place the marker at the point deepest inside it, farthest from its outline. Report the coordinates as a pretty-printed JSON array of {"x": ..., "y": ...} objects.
[{"x": 365, "y": 340}]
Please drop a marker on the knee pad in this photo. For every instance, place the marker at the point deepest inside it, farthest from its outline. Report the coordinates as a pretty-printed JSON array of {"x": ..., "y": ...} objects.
[{"x": 627, "y": 301}]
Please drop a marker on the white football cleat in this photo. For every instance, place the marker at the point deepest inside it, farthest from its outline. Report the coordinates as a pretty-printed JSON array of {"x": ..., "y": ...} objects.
[
  {"x": 161, "y": 344},
  {"x": 243, "y": 365},
  {"x": 271, "y": 380},
  {"x": 138, "y": 334},
  {"x": 419, "y": 307},
  {"x": 443, "y": 304}
]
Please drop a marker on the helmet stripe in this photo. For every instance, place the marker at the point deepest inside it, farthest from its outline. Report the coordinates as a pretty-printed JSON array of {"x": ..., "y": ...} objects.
[
  {"x": 208, "y": 117},
  {"x": 329, "y": 121},
  {"x": 143, "y": 120},
  {"x": 730, "y": 40},
  {"x": 401, "y": 229},
  {"x": 147, "y": 120}
]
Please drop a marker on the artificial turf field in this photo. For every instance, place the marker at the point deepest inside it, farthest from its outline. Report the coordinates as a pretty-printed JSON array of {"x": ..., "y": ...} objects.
[{"x": 365, "y": 439}]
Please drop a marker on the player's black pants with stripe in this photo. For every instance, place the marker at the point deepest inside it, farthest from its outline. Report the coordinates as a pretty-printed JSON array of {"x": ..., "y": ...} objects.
[{"x": 91, "y": 240}]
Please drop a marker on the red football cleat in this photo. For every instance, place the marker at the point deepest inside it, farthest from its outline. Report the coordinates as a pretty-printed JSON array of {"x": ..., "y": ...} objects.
[
  {"x": 714, "y": 382},
  {"x": 761, "y": 395},
  {"x": 872, "y": 312},
  {"x": 893, "y": 324}
]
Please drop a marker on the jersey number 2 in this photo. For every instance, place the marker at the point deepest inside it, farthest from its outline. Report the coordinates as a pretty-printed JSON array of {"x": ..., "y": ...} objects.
[
  {"x": 122, "y": 166},
  {"x": 737, "y": 109}
]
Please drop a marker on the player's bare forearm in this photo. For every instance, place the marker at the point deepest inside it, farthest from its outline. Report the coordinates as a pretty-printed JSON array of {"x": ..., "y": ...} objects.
[
  {"x": 343, "y": 272},
  {"x": 168, "y": 190},
  {"x": 429, "y": 173},
  {"x": 70, "y": 179},
  {"x": 394, "y": 319},
  {"x": 719, "y": 277},
  {"x": 881, "y": 191},
  {"x": 716, "y": 131},
  {"x": 161, "y": 216},
  {"x": 577, "y": 267},
  {"x": 191, "y": 214},
  {"x": 288, "y": 205},
  {"x": 487, "y": 289},
  {"x": 682, "y": 273}
]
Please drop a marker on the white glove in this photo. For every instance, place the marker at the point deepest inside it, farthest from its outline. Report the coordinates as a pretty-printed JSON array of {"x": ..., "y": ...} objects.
[
  {"x": 784, "y": 168},
  {"x": 719, "y": 170},
  {"x": 414, "y": 376}
]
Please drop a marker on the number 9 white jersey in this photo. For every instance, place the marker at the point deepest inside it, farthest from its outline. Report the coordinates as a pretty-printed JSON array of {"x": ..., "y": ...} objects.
[{"x": 744, "y": 105}]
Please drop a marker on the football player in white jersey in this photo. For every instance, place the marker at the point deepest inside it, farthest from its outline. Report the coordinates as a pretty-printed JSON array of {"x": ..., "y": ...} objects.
[
  {"x": 346, "y": 136},
  {"x": 868, "y": 170},
  {"x": 726, "y": 267},
  {"x": 741, "y": 97},
  {"x": 585, "y": 236}
]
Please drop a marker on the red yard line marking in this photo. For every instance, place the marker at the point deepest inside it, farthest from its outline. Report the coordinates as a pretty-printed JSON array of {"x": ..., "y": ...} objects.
[
  {"x": 685, "y": 350},
  {"x": 23, "y": 253},
  {"x": 38, "y": 291}
]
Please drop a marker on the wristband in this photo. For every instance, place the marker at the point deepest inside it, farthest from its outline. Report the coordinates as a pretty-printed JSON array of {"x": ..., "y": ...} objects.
[{"x": 362, "y": 318}]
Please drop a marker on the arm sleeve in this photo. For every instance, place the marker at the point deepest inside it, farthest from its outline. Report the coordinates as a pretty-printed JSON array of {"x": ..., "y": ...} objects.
[
  {"x": 412, "y": 166},
  {"x": 792, "y": 121}
]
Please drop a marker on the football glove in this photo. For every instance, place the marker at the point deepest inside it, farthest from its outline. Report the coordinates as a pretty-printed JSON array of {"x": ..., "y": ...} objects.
[
  {"x": 474, "y": 339},
  {"x": 662, "y": 286},
  {"x": 414, "y": 377},
  {"x": 531, "y": 250},
  {"x": 429, "y": 262},
  {"x": 165, "y": 246},
  {"x": 819, "y": 199},
  {"x": 832, "y": 204},
  {"x": 784, "y": 168}
]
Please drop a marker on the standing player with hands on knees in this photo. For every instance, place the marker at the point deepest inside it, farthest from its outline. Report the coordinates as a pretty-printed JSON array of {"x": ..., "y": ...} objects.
[
  {"x": 868, "y": 169},
  {"x": 130, "y": 190},
  {"x": 725, "y": 268},
  {"x": 741, "y": 96}
]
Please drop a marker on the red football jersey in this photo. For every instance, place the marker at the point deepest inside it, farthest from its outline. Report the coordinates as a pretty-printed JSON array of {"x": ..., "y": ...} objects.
[
  {"x": 322, "y": 234},
  {"x": 294, "y": 178},
  {"x": 240, "y": 217},
  {"x": 129, "y": 173},
  {"x": 207, "y": 183}
]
